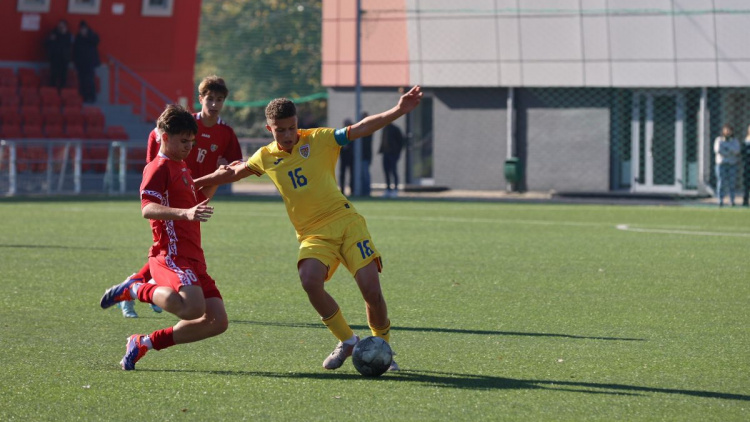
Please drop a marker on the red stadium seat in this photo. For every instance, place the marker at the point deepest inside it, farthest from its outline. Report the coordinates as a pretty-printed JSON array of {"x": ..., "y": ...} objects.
[
  {"x": 93, "y": 116},
  {"x": 33, "y": 131},
  {"x": 11, "y": 131},
  {"x": 54, "y": 131},
  {"x": 72, "y": 102},
  {"x": 29, "y": 78},
  {"x": 52, "y": 116},
  {"x": 10, "y": 116},
  {"x": 95, "y": 132},
  {"x": 73, "y": 117},
  {"x": 10, "y": 101},
  {"x": 69, "y": 92},
  {"x": 31, "y": 99},
  {"x": 75, "y": 131},
  {"x": 31, "y": 116},
  {"x": 117, "y": 132},
  {"x": 8, "y": 91}
]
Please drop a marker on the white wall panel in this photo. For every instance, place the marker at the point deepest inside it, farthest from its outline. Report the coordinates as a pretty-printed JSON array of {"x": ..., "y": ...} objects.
[
  {"x": 597, "y": 74},
  {"x": 641, "y": 37},
  {"x": 552, "y": 74},
  {"x": 460, "y": 74},
  {"x": 458, "y": 39},
  {"x": 694, "y": 37},
  {"x": 696, "y": 73},
  {"x": 736, "y": 73},
  {"x": 644, "y": 74},
  {"x": 551, "y": 38}
]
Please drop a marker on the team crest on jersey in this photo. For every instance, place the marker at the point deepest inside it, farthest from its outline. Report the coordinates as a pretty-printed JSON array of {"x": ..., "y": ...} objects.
[
  {"x": 214, "y": 147},
  {"x": 304, "y": 150}
]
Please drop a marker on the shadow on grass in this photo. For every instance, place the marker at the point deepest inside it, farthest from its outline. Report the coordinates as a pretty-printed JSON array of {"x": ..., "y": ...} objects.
[
  {"x": 476, "y": 382},
  {"x": 440, "y": 330}
]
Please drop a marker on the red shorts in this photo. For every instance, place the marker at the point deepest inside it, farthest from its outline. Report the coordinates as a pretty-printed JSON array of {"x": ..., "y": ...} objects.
[{"x": 179, "y": 272}]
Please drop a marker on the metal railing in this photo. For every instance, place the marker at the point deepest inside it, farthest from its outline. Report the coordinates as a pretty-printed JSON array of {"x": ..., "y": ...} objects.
[
  {"x": 64, "y": 166},
  {"x": 136, "y": 91}
]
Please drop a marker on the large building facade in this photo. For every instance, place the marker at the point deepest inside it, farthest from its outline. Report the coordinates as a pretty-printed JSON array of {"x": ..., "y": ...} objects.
[{"x": 584, "y": 95}]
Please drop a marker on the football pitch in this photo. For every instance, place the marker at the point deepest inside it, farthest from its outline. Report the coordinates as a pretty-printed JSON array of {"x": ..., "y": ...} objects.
[{"x": 500, "y": 312}]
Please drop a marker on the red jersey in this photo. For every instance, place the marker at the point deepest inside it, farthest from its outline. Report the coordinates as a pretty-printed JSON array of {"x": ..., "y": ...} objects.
[
  {"x": 211, "y": 143},
  {"x": 168, "y": 182}
]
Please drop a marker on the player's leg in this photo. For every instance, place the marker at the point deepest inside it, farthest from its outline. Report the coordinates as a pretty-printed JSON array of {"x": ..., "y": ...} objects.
[
  {"x": 313, "y": 274},
  {"x": 368, "y": 281},
  {"x": 128, "y": 307},
  {"x": 212, "y": 323},
  {"x": 185, "y": 304}
]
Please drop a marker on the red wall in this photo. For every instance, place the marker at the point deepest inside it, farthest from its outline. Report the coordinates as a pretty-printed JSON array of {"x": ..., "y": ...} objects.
[{"x": 162, "y": 50}]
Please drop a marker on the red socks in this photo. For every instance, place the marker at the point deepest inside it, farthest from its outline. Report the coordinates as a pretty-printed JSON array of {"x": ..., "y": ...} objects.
[
  {"x": 144, "y": 273},
  {"x": 161, "y": 339}
]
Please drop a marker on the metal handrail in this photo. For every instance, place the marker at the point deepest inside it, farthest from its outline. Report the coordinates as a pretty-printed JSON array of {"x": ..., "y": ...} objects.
[{"x": 144, "y": 88}]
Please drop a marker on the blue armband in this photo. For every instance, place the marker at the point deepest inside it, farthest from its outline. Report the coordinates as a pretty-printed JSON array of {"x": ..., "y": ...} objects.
[{"x": 341, "y": 136}]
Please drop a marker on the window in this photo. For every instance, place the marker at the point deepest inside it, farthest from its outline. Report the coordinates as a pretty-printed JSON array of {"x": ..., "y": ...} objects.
[
  {"x": 157, "y": 7},
  {"x": 33, "y": 5},
  {"x": 84, "y": 7}
]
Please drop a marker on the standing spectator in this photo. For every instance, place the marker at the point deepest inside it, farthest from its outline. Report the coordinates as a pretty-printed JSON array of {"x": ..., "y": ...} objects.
[
  {"x": 390, "y": 146},
  {"x": 727, "y": 149},
  {"x": 746, "y": 169},
  {"x": 366, "y": 143},
  {"x": 86, "y": 59},
  {"x": 346, "y": 163},
  {"x": 59, "y": 48}
]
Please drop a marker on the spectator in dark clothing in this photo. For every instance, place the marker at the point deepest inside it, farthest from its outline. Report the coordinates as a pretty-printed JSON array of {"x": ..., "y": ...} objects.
[
  {"x": 346, "y": 163},
  {"x": 86, "y": 60},
  {"x": 59, "y": 45},
  {"x": 366, "y": 143},
  {"x": 392, "y": 141}
]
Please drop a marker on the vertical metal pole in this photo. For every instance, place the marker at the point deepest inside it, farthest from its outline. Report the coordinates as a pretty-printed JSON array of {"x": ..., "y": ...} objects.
[
  {"x": 77, "y": 168},
  {"x": 703, "y": 155},
  {"x": 123, "y": 166},
  {"x": 12, "y": 169},
  {"x": 510, "y": 129},
  {"x": 358, "y": 103}
]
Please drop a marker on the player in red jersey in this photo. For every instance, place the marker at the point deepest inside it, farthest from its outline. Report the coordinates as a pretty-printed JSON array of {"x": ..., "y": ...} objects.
[
  {"x": 175, "y": 210},
  {"x": 215, "y": 144}
]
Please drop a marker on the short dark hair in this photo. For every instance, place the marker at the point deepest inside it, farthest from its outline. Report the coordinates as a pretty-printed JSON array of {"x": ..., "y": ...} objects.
[
  {"x": 175, "y": 120},
  {"x": 280, "y": 108},
  {"x": 213, "y": 83}
]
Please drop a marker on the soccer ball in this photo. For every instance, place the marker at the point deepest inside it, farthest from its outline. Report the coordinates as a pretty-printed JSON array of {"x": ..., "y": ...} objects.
[{"x": 372, "y": 356}]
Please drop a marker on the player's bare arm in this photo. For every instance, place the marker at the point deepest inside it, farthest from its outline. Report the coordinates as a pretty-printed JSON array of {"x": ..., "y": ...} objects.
[
  {"x": 372, "y": 124},
  {"x": 201, "y": 212},
  {"x": 224, "y": 174}
]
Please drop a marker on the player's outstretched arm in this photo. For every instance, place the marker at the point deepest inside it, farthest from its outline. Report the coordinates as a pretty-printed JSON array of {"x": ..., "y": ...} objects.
[
  {"x": 371, "y": 124},
  {"x": 201, "y": 212},
  {"x": 224, "y": 174}
]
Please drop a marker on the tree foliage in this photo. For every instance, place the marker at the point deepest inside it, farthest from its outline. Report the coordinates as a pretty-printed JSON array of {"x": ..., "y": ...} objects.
[{"x": 263, "y": 49}]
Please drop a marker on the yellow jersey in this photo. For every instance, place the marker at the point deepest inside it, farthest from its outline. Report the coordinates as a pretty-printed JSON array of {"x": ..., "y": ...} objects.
[{"x": 306, "y": 176}]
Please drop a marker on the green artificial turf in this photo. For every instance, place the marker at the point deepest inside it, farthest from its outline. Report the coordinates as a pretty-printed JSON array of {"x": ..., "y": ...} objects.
[{"x": 500, "y": 312}]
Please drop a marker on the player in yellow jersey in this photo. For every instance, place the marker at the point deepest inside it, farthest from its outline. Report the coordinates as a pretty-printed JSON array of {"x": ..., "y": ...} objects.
[{"x": 302, "y": 164}]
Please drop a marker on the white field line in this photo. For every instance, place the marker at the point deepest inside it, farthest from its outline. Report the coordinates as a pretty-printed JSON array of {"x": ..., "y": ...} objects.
[{"x": 625, "y": 227}]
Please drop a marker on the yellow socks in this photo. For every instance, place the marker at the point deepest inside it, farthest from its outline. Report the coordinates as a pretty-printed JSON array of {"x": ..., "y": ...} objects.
[
  {"x": 338, "y": 326},
  {"x": 384, "y": 332}
]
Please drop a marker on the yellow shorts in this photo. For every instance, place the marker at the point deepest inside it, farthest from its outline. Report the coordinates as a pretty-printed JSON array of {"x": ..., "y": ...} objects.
[{"x": 345, "y": 240}]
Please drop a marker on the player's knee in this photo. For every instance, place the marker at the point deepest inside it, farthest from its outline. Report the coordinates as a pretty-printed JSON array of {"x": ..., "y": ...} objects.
[
  {"x": 312, "y": 283},
  {"x": 372, "y": 294}
]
